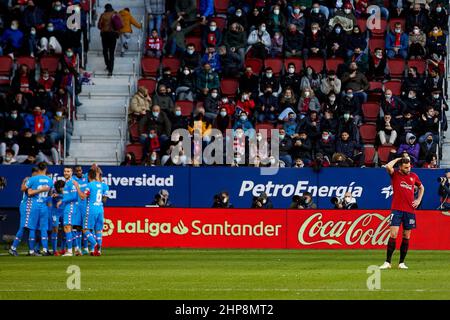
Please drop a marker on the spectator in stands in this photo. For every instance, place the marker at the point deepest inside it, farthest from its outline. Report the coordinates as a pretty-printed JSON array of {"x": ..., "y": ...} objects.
[
  {"x": 58, "y": 123},
  {"x": 332, "y": 105},
  {"x": 329, "y": 122},
  {"x": 177, "y": 119},
  {"x": 259, "y": 42},
  {"x": 344, "y": 17},
  {"x": 392, "y": 105},
  {"x": 287, "y": 103},
  {"x": 190, "y": 58},
  {"x": 211, "y": 36},
  {"x": 269, "y": 79},
  {"x": 68, "y": 76},
  {"x": 9, "y": 141},
  {"x": 249, "y": 82},
  {"x": 387, "y": 130},
  {"x": 58, "y": 16},
  {"x": 315, "y": 44},
  {"x": 291, "y": 79},
  {"x": 222, "y": 121},
  {"x": 417, "y": 40},
  {"x": 32, "y": 43},
  {"x": 326, "y": 145},
  {"x": 267, "y": 106},
  {"x": 429, "y": 124},
  {"x": 291, "y": 124},
  {"x": 156, "y": 10},
  {"x": 407, "y": 124},
  {"x": 302, "y": 147},
  {"x": 44, "y": 150},
  {"x": 169, "y": 81},
  {"x": 431, "y": 162},
  {"x": 12, "y": 40},
  {"x": 308, "y": 102},
  {"x": 37, "y": 122},
  {"x": 211, "y": 104},
  {"x": 297, "y": 18},
  {"x": 276, "y": 21},
  {"x": 130, "y": 160},
  {"x": 19, "y": 102},
  {"x": 361, "y": 59},
  {"x": 8, "y": 159},
  {"x": 234, "y": 39},
  {"x": 239, "y": 18},
  {"x": 356, "y": 40},
  {"x": 23, "y": 81},
  {"x": 398, "y": 8},
  {"x": 33, "y": 16},
  {"x": 439, "y": 16},
  {"x": 13, "y": 122},
  {"x": 50, "y": 42},
  {"x": 412, "y": 82},
  {"x": 397, "y": 43},
  {"x": 293, "y": 44},
  {"x": 185, "y": 85},
  {"x": 428, "y": 148},
  {"x": 186, "y": 9},
  {"x": 162, "y": 98},
  {"x": 350, "y": 149},
  {"x": 109, "y": 36},
  {"x": 310, "y": 79},
  {"x": 337, "y": 40},
  {"x": 416, "y": 17},
  {"x": 47, "y": 82},
  {"x": 315, "y": 16},
  {"x": 206, "y": 79},
  {"x": 411, "y": 147},
  {"x": 276, "y": 48},
  {"x": 311, "y": 124},
  {"x": 330, "y": 84},
  {"x": 230, "y": 62},
  {"x": 154, "y": 45},
  {"x": 378, "y": 65},
  {"x": 157, "y": 120},
  {"x": 285, "y": 145},
  {"x": 339, "y": 160},
  {"x": 356, "y": 81},
  {"x": 348, "y": 123},
  {"x": 434, "y": 81},
  {"x": 140, "y": 103},
  {"x": 243, "y": 123}
]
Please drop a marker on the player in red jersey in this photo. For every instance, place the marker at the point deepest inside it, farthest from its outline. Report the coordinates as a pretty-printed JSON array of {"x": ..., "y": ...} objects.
[{"x": 403, "y": 206}]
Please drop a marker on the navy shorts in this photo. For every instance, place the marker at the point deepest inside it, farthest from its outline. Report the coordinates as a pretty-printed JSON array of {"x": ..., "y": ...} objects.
[{"x": 401, "y": 217}]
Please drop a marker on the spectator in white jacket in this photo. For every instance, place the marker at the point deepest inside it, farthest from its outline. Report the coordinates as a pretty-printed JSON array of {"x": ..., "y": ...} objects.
[{"x": 259, "y": 42}]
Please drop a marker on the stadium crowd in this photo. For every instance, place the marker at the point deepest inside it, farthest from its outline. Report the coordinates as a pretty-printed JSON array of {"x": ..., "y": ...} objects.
[
  {"x": 339, "y": 89},
  {"x": 40, "y": 78}
]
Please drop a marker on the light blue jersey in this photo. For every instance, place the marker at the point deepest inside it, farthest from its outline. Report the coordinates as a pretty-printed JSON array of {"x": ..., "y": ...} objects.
[
  {"x": 70, "y": 204},
  {"x": 94, "y": 206},
  {"x": 38, "y": 207}
]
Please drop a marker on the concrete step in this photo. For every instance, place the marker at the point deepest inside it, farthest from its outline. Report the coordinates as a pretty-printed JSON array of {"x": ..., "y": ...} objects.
[
  {"x": 101, "y": 104},
  {"x": 102, "y": 110},
  {"x": 98, "y": 138},
  {"x": 87, "y": 161},
  {"x": 98, "y": 127}
]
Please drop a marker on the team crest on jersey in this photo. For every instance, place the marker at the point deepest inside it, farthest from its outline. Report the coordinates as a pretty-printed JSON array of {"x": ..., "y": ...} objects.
[{"x": 403, "y": 184}]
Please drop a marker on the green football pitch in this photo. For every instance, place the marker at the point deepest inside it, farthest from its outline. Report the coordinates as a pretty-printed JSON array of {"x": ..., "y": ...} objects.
[{"x": 169, "y": 274}]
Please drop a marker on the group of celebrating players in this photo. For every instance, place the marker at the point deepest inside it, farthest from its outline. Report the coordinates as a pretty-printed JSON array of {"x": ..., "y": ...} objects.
[{"x": 75, "y": 204}]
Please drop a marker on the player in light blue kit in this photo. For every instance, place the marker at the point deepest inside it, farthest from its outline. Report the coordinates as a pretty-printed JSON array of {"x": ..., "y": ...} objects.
[
  {"x": 70, "y": 207},
  {"x": 38, "y": 187},
  {"x": 24, "y": 210},
  {"x": 99, "y": 223},
  {"x": 82, "y": 179},
  {"x": 56, "y": 216},
  {"x": 93, "y": 215}
]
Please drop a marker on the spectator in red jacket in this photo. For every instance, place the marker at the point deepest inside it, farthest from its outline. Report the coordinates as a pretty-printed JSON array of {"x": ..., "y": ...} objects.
[{"x": 155, "y": 45}]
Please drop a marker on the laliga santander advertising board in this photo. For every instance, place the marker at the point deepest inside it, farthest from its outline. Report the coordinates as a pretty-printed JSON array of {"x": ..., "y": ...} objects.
[{"x": 266, "y": 229}]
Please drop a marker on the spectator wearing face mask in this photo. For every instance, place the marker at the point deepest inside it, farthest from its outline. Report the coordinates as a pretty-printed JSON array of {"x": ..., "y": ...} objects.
[
  {"x": 330, "y": 84},
  {"x": 347, "y": 123},
  {"x": 235, "y": 39},
  {"x": 58, "y": 123},
  {"x": 169, "y": 81},
  {"x": 302, "y": 147},
  {"x": 303, "y": 202},
  {"x": 50, "y": 42},
  {"x": 177, "y": 38},
  {"x": 297, "y": 18},
  {"x": 140, "y": 103},
  {"x": 154, "y": 46},
  {"x": 360, "y": 58},
  {"x": 268, "y": 79},
  {"x": 222, "y": 200},
  {"x": 355, "y": 81},
  {"x": 211, "y": 36},
  {"x": 244, "y": 123},
  {"x": 206, "y": 79},
  {"x": 249, "y": 82},
  {"x": 336, "y": 40},
  {"x": 230, "y": 62},
  {"x": 44, "y": 150},
  {"x": 429, "y": 124},
  {"x": 291, "y": 79},
  {"x": 439, "y": 16},
  {"x": 310, "y": 79},
  {"x": 387, "y": 130},
  {"x": 329, "y": 122},
  {"x": 428, "y": 148},
  {"x": 315, "y": 44},
  {"x": 259, "y": 42},
  {"x": 177, "y": 119},
  {"x": 392, "y": 105},
  {"x": 378, "y": 66},
  {"x": 13, "y": 122},
  {"x": 46, "y": 81},
  {"x": 356, "y": 39},
  {"x": 276, "y": 49},
  {"x": 291, "y": 124},
  {"x": 9, "y": 142},
  {"x": 8, "y": 158},
  {"x": 417, "y": 40},
  {"x": 185, "y": 85},
  {"x": 294, "y": 42},
  {"x": 348, "y": 203},
  {"x": 332, "y": 105},
  {"x": 411, "y": 147},
  {"x": 190, "y": 58},
  {"x": 262, "y": 202},
  {"x": 345, "y": 17},
  {"x": 416, "y": 17},
  {"x": 163, "y": 99},
  {"x": 211, "y": 104},
  {"x": 37, "y": 122},
  {"x": 157, "y": 120},
  {"x": 58, "y": 16},
  {"x": 11, "y": 40},
  {"x": 212, "y": 58},
  {"x": 223, "y": 121},
  {"x": 276, "y": 21},
  {"x": 238, "y": 17},
  {"x": 32, "y": 43},
  {"x": 308, "y": 102},
  {"x": 397, "y": 43},
  {"x": 326, "y": 145}
]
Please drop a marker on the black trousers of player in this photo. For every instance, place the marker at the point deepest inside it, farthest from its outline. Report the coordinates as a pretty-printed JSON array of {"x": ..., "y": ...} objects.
[{"x": 109, "y": 40}]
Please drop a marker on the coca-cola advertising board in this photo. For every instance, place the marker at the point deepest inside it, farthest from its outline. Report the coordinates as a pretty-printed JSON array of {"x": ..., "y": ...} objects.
[{"x": 266, "y": 229}]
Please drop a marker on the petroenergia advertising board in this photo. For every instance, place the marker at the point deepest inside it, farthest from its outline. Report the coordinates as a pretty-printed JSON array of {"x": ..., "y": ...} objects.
[{"x": 266, "y": 229}]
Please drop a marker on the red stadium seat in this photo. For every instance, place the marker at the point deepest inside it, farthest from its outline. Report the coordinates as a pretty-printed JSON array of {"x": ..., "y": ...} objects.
[
  {"x": 197, "y": 41},
  {"x": 150, "y": 66},
  {"x": 255, "y": 63},
  {"x": 362, "y": 24},
  {"x": 229, "y": 87},
  {"x": 150, "y": 84},
  {"x": 396, "y": 67},
  {"x": 316, "y": 63},
  {"x": 394, "y": 86},
  {"x": 368, "y": 133},
  {"x": 50, "y": 63},
  {"x": 186, "y": 107},
  {"x": 379, "y": 32},
  {"x": 296, "y": 61},
  {"x": 172, "y": 63},
  {"x": 221, "y": 6},
  {"x": 221, "y": 22},
  {"x": 369, "y": 154},
  {"x": 333, "y": 64},
  {"x": 28, "y": 61},
  {"x": 133, "y": 129},
  {"x": 383, "y": 154},
  {"x": 6, "y": 65},
  {"x": 275, "y": 63},
  {"x": 376, "y": 43},
  {"x": 376, "y": 88},
  {"x": 371, "y": 111},
  {"x": 137, "y": 149},
  {"x": 421, "y": 65}
]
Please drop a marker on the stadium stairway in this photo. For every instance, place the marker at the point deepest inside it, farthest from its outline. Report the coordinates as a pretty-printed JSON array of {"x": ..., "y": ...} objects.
[
  {"x": 100, "y": 129},
  {"x": 445, "y": 162}
]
